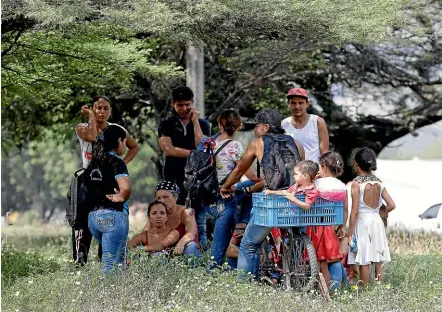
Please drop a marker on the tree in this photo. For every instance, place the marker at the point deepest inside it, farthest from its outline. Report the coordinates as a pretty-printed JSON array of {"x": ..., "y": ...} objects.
[{"x": 255, "y": 50}]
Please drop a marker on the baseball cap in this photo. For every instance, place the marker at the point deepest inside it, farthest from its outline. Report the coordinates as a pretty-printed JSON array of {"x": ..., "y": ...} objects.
[
  {"x": 268, "y": 116},
  {"x": 297, "y": 92}
]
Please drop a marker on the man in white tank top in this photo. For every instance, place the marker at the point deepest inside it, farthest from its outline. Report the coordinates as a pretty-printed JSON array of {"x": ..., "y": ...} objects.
[{"x": 310, "y": 130}]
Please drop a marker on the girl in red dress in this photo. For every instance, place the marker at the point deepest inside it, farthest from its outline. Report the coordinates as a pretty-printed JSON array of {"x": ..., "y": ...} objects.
[{"x": 325, "y": 238}]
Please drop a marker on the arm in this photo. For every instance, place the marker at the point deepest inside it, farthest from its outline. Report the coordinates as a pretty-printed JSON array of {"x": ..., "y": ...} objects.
[
  {"x": 323, "y": 136},
  {"x": 197, "y": 127},
  {"x": 87, "y": 133},
  {"x": 341, "y": 228},
  {"x": 390, "y": 205},
  {"x": 355, "y": 191},
  {"x": 271, "y": 192},
  {"x": 298, "y": 202},
  {"x": 257, "y": 187},
  {"x": 124, "y": 185},
  {"x": 300, "y": 149},
  {"x": 251, "y": 174},
  {"x": 243, "y": 165},
  {"x": 170, "y": 150},
  {"x": 133, "y": 148},
  {"x": 125, "y": 188},
  {"x": 188, "y": 219},
  {"x": 136, "y": 240},
  {"x": 232, "y": 250},
  {"x": 170, "y": 240}
]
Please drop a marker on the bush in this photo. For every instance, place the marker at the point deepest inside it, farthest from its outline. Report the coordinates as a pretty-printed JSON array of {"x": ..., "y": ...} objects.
[{"x": 17, "y": 264}]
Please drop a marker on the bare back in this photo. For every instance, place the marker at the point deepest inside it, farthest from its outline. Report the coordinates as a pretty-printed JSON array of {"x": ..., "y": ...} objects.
[{"x": 372, "y": 194}]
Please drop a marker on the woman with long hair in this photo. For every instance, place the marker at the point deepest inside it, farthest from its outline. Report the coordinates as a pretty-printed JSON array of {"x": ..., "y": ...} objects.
[{"x": 159, "y": 236}]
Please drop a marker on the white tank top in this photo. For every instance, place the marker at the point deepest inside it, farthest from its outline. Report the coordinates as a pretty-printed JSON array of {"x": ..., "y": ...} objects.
[
  {"x": 86, "y": 147},
  {"x": 307, "y": 136}
]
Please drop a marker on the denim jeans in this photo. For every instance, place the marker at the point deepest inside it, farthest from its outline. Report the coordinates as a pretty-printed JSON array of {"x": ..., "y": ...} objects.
[
  {"x": 225, "y": 222},
  {"x": 200, "y": 216},
  {"x": 248, "y": 259},
  {"x": 245, "y": 202},
  {"x": 224, "y": 226},
  {"x": 191, "y": 249},
  {"x": 110, "y": 228}
]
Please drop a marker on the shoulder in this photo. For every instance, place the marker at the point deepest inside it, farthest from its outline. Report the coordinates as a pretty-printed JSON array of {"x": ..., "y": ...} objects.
[
  {"x": 320, "y": 121},
  {"x": 117, "y": 161},
  {"x": 167, "y": 120},
  {"x": 81, "y": 125},
  {"x": 204, "y": 122},
  {"x": 355, "y": 186},
  {"x": 236, "y": 144},
  {"x": 286, "y": 121}
]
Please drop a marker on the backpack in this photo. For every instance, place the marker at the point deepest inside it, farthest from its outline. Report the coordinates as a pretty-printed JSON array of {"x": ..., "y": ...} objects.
[
  {"x": 200, "y": 176},
  {"x": 78, "y": 208},
  {"x": 280, "y": 158}
]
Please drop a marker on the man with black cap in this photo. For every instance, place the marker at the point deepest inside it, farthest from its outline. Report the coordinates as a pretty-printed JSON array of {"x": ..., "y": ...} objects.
[
  {"x": 277, "y": 154},
  {"x": 310, "y": 130}
]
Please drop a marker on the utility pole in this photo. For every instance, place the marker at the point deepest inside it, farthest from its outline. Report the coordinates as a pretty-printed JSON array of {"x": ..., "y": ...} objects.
[{"x": 195, "y": 75}]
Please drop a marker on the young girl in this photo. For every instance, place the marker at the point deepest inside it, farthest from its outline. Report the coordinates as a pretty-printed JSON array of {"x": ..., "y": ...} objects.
[
  {"x": 368, "y": 241},
  {"x": 305, "y": 173},
  {"x": 325, "y": 238},
  {"x": 158, "y": 237}
]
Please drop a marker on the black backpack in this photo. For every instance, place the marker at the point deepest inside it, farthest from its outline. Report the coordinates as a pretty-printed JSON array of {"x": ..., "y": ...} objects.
[
  {"x": 78, "y": 208},
  {"x": 280, "y": 158},
  {"x": 200, "y": 176}
]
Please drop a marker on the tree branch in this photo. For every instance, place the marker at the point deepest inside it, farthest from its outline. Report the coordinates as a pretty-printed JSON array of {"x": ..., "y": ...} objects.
[{"x": 6, "y": 51}]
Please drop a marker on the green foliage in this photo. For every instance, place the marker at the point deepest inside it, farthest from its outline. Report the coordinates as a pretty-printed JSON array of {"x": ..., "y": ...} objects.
[
  {"x": 19, "y": 264},
  {"x": 39, "y": 177},
  {"x": 48, "y": 74},
  {"x": 214, "y": 22}
]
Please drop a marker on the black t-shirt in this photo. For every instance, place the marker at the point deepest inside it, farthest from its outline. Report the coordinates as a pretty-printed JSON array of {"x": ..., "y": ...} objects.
[
  {"x": 101, "y": 180},
  {"x": 183, "y": 137}
]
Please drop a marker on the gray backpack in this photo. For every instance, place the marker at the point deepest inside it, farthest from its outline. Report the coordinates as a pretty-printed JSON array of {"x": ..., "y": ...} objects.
[{"x": 279, "y": 160}]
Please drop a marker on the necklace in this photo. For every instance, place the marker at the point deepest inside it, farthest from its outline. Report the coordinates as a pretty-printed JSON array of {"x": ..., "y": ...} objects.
[
  {"x": 184, "y": 124},
  {"x": 367, "y": 178}
]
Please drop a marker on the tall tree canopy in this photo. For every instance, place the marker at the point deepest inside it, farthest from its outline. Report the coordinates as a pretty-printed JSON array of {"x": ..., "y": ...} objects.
[{"x": 56, "y": 54}]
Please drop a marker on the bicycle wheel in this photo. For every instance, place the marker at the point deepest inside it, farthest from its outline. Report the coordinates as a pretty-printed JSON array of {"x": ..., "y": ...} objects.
[{"x": 301, "y": 266}]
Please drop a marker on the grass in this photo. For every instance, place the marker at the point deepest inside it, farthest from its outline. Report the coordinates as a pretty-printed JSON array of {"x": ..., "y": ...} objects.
[{"x": 412, "y": 282}]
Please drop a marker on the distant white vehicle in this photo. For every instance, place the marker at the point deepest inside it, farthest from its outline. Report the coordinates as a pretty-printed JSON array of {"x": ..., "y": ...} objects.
[{"x": 431, "y": 219}]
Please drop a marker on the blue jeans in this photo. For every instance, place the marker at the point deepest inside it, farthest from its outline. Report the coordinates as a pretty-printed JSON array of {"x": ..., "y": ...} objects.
[
  {"x": 191, "y": 249},
  {"x": 110, "y": 228},
  {"x": 200, "y": 216},
  {"x": 248, "y": 259},
  {"x": 224, "y": 226},
  {"x": 245, "y": 202},
  {"x": 225, "y": 222}
]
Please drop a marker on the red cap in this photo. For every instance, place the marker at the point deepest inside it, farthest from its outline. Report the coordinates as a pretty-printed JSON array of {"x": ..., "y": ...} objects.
[{"x": 298, "y": 92}]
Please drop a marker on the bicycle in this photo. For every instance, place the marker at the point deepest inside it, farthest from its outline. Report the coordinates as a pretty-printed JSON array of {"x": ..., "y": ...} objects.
[{"x": 300, "y": 268}]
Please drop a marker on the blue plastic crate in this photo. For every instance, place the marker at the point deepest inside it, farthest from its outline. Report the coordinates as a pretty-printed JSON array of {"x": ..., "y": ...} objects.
[{"x": 277, "y": 211}]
